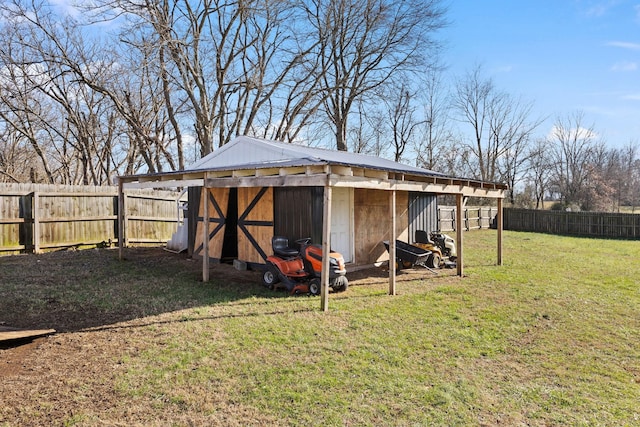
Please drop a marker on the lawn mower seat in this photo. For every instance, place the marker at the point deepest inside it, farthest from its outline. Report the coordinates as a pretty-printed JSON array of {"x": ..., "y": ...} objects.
[
  {"x": 281, "y": 247},
  {"x": 422, "y": 236}
]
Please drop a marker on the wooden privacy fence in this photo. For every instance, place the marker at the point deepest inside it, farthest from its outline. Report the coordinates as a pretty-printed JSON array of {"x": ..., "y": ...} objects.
[
  {"x": 473, "y": 217},
  {"x": 593, "y": 224},
  {"x": 36, "y": 217}
]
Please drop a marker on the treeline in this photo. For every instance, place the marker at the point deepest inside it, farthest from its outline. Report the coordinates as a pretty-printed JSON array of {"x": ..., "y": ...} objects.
[
  {"x": 120, "y": 86},
  {"x": 116, "y": 87}
]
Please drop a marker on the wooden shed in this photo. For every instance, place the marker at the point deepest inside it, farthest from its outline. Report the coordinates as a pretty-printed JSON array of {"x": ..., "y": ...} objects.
[
  {"x": 252, "y": 189},
  {"x": 246, "y": 218}
]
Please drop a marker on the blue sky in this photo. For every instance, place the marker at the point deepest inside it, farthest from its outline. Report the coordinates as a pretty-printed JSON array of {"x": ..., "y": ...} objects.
[{"x": 563, "y": 55}]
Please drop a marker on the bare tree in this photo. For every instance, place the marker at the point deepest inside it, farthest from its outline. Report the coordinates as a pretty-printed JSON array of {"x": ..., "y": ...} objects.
[
  {"x": 58, "y": 100},
  {"x": 628, "y": 182},
  {"x": 401, "y": 117},
  {"x": 572, "y": 151},
  {"x": 363, "y": 43},
  {"x": 538, "y": 171},
  {"x": 242, "y": 67},
  {"x": 89, "y": 105},
  {"x": 368, "y": 131},
  {"x": 436, "y": 136},
  {"x": 501, "y": 127},
  {"x": 15, "y": 159}
]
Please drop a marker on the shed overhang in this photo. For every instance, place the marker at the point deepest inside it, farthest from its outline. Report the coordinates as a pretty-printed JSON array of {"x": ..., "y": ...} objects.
[{"x": 335, "y": 175}]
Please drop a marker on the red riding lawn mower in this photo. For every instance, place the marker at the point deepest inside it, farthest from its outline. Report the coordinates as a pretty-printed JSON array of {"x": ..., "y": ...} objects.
[{"x": 299, "y": 271}]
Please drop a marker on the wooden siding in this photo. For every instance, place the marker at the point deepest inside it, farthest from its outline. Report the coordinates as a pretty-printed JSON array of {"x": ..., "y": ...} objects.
[
  {"x": 35, "y": 217},
  {"x": 372, "y": 223},
  {"x": 218, "y": 204},
  {"x": 255, "y": 223}
]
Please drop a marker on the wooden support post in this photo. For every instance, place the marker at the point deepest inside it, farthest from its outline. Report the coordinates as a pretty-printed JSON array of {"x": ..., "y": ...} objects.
[
  {"x": 205, "y": 235},
  {"x": 35, "y": 209},
  {"x": 499, "y": 226},
  {"x": 326, "y": 245},
  {"x": 121, "y": 222},
  {"x": 459, "y": 239},
  {"x": 392, "y": 243}
]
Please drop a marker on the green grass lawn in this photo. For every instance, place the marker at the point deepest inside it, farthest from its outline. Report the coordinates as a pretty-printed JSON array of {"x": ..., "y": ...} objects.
[{"x": 552, "y": 337}]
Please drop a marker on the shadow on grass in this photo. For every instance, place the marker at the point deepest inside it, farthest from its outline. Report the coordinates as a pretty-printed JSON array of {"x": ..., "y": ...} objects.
[
  {"x": 195, "y": 318},
  {"x": 77, "y": 290}
]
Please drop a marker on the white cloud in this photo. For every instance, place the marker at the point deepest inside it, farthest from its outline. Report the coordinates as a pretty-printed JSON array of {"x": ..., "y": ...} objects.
[
  {"x": 624, "y": 66},
  {"x": 625, "y": 45},
  {"x": 632, "y": 97},
  {"x": 576, "y": 133}
]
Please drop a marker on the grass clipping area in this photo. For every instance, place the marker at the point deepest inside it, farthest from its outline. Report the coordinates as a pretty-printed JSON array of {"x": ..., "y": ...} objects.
[{"x": 549, "y": 338}]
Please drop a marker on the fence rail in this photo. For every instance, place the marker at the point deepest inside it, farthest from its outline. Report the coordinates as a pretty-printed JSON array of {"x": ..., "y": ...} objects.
[
  {"x": 35, "y": 217},
  {"x": 472, "y": 217},
  {"x": 592, "y": 224}
]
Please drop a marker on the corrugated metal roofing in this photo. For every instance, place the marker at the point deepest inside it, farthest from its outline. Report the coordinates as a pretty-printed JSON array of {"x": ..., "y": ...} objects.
[{"x": 247, "y": 152}]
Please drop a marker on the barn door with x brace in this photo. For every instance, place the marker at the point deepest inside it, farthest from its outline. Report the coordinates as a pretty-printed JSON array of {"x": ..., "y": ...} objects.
[
  {"x": 218, "y": 201},
  {"x": 255, "y": 223}
]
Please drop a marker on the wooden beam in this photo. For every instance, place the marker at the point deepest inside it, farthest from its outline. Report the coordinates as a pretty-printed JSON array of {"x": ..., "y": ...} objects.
[
  {"x": 244, "y": 172},
  {"x": 314, "y": 170},
  {"x": 341, "y": 170},
  {"x": 164, "y": 183},
  {"x": 9, "y": 334},
  {"x": 374, "y": 173},
  {"x": 268, "y": 181},
  {"x": 219, "y": 174},
  {"x": 326, "y": 245},
  {"x": 296, "y": 170},
  {"x": 205, "y": 235},
  {"x": 459, "y": 239},
  {"x": 499, "y": 227},
  {"x": 408, "y": 185},
  {"x": 268, "y": 172},
  {"x": 493, "y": 193},
  {"x": 378, "y": 182},
  {"x": 392, "y": 243}
]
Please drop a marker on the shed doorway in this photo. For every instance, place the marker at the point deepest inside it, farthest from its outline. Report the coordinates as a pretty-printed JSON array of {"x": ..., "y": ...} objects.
[
  {"x": 342, "y": 222},
  {"x": 230, "y": 242}
]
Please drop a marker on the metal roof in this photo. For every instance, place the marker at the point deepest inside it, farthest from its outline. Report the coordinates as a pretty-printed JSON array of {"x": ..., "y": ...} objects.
[
  {"x": 248, "y": 153},
  {"x": 253, "y": 161}
]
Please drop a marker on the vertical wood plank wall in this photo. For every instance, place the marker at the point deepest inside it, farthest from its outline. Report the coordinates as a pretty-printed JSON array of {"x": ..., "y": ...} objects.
[
  {"x": 37, "y": 217},
  {"x": 372, "y": 223},
  {"x": 255, "y": 223}
]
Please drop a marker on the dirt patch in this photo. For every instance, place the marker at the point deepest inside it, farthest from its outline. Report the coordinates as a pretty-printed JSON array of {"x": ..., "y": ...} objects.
[{"x": 98, "y": 304}]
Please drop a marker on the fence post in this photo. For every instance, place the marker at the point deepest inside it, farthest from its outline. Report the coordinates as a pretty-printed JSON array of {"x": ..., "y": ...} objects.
[
  {"x": 499, "y": 226},
  {"x": 459, "y": 238},
  {"x": 35, "y": 214},
  {"x": 466, "y": 218},
  {"x": 122, "y": 224}
]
